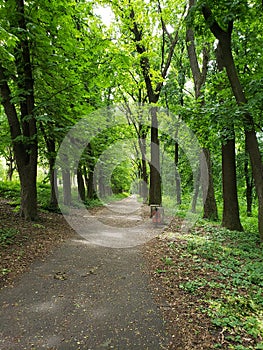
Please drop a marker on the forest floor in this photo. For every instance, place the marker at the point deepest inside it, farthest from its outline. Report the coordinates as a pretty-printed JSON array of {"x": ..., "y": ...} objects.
[{"x": 113, "y": 267}]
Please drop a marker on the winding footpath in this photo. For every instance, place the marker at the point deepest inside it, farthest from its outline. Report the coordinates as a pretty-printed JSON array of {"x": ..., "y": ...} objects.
[{"x": 91, "y": 293}]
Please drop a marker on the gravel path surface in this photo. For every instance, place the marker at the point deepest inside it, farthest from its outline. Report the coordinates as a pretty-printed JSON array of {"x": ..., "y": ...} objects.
[{"x": 90, "y": 293}]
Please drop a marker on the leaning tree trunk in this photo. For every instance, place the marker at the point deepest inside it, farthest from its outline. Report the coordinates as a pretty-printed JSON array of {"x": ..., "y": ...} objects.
[{"x": 251, "y": 141}]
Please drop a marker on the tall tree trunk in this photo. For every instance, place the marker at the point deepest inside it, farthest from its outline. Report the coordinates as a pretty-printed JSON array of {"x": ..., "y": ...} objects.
[
  {"x": 26, "y": 152},
  {"x": 89, "y": 174},
  {"x": 67, "y": 199},
  {"x": 144, "y": 174},
  {"x": 10, "y": 162},
  {"x": 81, "y": 186},
  {"x": 101, "y": 184},
  {"x": 196, "y": 180},
  {"x": 51, "y": 149},
  {"x": 251, "y": 141},
  {"x": 53, "y": 201},
  {"x": 249, "y": 186},
  {"x": 199, "y": 76},
  {"x": 210, "y": 207},
  {"x": 153, "y": 93},
  {"x": 231, "y": 219},
  {"x": 27, "y": 167},
  {"x": 91, "y": 194},
  {"x": 155, "y": 193},
  {"x": 177, "y": 175},
  {"x": 231, "y": 216}
]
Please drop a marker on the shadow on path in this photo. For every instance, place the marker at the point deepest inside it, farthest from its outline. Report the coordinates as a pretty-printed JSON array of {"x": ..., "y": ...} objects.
[{"x": 87, "y": 295}]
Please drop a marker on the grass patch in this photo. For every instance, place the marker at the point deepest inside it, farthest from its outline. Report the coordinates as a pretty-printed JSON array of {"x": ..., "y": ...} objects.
[
  {"x": 225, "y": 270},
  {"x": 10, "y": 190}
]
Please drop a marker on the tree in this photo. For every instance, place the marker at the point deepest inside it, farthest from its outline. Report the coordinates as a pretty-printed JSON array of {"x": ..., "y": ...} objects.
[
  {"x": 231, "y": 217},
  {"x": 6, "y": 149},
  {"x": 154, "y": 55},
  {"x": 21, "y": 119},
  {"x": 199, "y": 76},
  {"x": 224, "y": 38}
]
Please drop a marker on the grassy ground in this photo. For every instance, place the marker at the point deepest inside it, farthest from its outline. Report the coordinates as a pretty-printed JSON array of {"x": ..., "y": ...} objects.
[{"x": 213, "y": 277}]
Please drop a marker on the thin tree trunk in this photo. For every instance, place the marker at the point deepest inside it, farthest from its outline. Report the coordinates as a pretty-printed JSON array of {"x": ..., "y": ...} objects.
[
  {"x": 177, "y": 175},
  {"x": 89, "y": 174},
  {"x": 196, "y": 178},
  {"x": 51, "y": 149},
  {"x": 10, "y": 162},
  {"x": 199, "y": 76},
  {"x": 155, "y": 193},
  {"x": 249, "y": 186},
  {"x": 67, "y": 199},
  {"x": 53, "y": 202},
  {"x": 231, "y": 219},
  {"x": 144, "y": 174},
  {"x": 81, "y": 186},
  {"x": 153, "y": 94},
  {"x": 210, "y": 207}
]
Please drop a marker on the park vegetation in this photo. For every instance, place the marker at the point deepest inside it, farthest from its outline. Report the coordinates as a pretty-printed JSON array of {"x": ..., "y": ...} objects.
[{"x": 61, "y": 63}]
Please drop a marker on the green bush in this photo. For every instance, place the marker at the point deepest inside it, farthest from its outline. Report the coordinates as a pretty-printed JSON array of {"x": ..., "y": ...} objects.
[
  {"x": 7, "y": 236},
  {"x": 10, "y": 190}
]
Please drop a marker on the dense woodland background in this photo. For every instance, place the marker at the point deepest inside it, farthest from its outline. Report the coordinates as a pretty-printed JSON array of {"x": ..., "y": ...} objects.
[
  {"x": 201, "y": 60},
  {"x": 169, "y": 66}
]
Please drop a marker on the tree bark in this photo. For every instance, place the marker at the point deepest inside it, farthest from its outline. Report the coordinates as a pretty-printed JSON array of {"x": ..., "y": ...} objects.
[
  {"x": 199, "y": 76},
  {"x": 251, "y": 141},
  {"x": 155, "y": 193},
  {"x": 25, "y": 154},
  {"x": 144, "y": 175},
  {"x": 89, "y": 173},
  {"x": 10, "y": 162},
  {"x": 66, "y": 180},
  {"x": 197, "y": 179},
  {"x": 231, "y": 219},
  {"x": 249, "y": 186},
  {"x": 53, "y": 202},
  {"x": 177, "y": 175},
  {"x": 231, "y": 216},
  {"x": 23, "y": 131},
  {"x": 81, "y": 186},
  {"x": 210, "y": 207},
  {"x": 153, "y": 93},
  {"x": 51, "y": 149}
]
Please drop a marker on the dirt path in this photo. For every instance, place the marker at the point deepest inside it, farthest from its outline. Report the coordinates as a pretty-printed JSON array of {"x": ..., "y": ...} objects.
[{"x": 90, "y": 293}]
